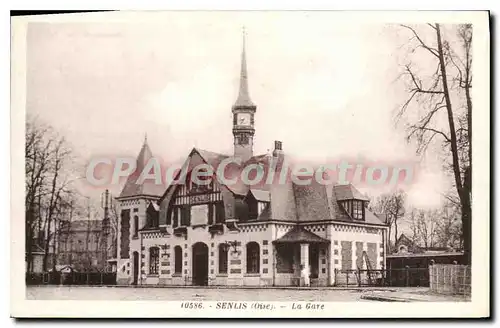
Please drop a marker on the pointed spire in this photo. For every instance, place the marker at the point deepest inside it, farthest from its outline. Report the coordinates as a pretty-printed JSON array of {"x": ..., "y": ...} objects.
[
  {"x": 144, "y": 155},
  {"x": 131, "y": 187},
  {"x": 243, "y": 99}
]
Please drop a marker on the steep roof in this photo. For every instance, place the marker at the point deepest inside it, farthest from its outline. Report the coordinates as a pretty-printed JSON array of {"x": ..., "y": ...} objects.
[
  {"x": 147, "y": 187},
  {"x": 371, "y": 217},
  {"x": 239, "y": 188},
  {"x": 260, "y": 195},
  {"x": 316, "y": 202},
  {"x": 210, "y": 157},
  {"x": 345, "y": 192},
  {"x": 300, "y": 235},
  {"x": 312, "y": 202},
  {"x": 289, "y": 201}
]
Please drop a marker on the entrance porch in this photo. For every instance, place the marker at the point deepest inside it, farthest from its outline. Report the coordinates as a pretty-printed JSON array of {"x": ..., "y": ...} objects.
[{"x": 301, "y": 259}]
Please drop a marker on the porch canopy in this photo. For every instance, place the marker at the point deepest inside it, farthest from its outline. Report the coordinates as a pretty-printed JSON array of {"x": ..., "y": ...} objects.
[{"x": 300, "y": 235}]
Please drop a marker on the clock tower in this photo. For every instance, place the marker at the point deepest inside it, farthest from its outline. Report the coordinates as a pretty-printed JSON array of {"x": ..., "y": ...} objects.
[{"x": 243, "y": 115}]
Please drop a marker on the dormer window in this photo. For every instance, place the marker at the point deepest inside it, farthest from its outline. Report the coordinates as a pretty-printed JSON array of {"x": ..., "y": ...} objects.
[
  {"x": 355, "y": 208},
  {"x": 255, "y": 208},
  {"x": 152, "y": 216},
  {"x": 261, "y": 206},
  {"x": 257, "y": 200}
]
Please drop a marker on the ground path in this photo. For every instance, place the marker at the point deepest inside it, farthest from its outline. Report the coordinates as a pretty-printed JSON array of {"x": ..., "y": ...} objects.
[{"x": 231, "y": 294}]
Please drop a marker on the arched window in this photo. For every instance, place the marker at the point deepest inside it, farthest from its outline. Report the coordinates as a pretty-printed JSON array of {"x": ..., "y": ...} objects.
[
  {"x": 223, "y": 258},
  {"x": 136, "y": 225},
  {"x": 253, "y": 257},
  {"x": 154, "y": 260},
  {"x": 178, "y": 259}
]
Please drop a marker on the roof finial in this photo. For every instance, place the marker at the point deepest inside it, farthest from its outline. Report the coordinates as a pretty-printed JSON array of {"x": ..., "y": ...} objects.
[
  {"x": 243, "y": 35},
  {"x": 145, "y": 138},
  {"x": 243, "y": 95}
]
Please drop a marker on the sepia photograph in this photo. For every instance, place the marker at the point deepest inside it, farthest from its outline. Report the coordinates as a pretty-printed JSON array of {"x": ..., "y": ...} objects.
[{"x": 250, "y": 164}]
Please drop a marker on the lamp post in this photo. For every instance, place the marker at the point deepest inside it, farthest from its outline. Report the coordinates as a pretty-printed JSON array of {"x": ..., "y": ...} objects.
[
  {"x": 164, "y": 249},
  {"x": 233, "y": 244}
]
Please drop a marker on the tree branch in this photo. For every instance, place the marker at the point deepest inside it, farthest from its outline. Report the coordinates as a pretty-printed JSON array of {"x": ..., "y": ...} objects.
[{"x": 431, "y": 50}]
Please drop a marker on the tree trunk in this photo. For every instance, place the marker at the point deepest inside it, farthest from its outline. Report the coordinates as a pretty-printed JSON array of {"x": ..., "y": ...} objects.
[
  {"x": 463, "y": 194},
  {"x": 467, "y": 211},
  {"x": 466, "y": 219},
  {"x": 29, "y": 244},
  {"x": 395, "y": 230},
  {"x": 389, "y": 240}
]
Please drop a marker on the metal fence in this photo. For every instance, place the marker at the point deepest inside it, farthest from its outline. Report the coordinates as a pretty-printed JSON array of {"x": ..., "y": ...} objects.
[
  {"x": 405, "y": 277},
  {"x": 73, "y": 278},
  {"x": 452, "y": 279}
]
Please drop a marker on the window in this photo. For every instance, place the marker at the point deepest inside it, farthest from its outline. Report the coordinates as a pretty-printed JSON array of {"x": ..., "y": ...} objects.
[
  {"x": 348, "y": 207},
  {"x": 253, "y": 209},
  {"x": 219, "y": 212},
  {"x": 185, "y": 215},
  {"x": 175, "y": 216},
  {"x": 154, "y": 219},
  {"x": 355, "y": 208},
  {"x": 211, "y": 214},
  {"x": 169, "y": 216},
  {"x": 178, "y": 259},
  {"x": 223, "y": 258},
  {"x": 181, "y": 216},
  {"x": 154, "y": 260},
  {"x": 253, "y": 257},
  {"x": 262, "y": 206},
  {"x": 136, "y": 225},
  {"x": 357, "y": 212}
]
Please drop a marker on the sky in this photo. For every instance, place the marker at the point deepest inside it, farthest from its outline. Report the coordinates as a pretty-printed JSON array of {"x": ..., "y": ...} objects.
[{"x": 325, "y": 88}]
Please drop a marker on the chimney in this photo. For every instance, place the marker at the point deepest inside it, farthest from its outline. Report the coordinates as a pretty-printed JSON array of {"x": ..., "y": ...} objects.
[{"x": 278, "y": 150}]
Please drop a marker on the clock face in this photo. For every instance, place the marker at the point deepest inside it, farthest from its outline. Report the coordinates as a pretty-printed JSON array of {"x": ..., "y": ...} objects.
[{"x": 243, "y": 119}]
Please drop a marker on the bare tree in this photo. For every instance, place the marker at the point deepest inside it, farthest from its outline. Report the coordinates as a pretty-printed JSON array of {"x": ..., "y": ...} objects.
[
  {"x": 413, "y": 223},
  {"x": 435, "y": 228},
  {"x": 111, "y": 251},
  {"x": 392, "y": 205},
  {"x": 57, "y": 187},
  {"x": 36, "y": 167},
  {"x": 427, "y": 222},
  {"x": 449, "y": 227},
  {"x": 430, "y": 95},
  {"x": 47, "y": 189}
]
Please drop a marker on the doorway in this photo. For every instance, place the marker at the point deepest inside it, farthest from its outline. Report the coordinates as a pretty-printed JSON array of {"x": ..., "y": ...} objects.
[
  {"x": 135, "y": 258},
  {"x": 200, "y": 264},
  {"x": 314, "y": 260}
]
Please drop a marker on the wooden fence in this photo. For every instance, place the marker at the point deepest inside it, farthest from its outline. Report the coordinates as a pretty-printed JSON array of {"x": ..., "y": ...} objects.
[
  {"x": 450, "y": 279},
  {"x": 73, "y": 278},
  {"x": 406, "y": 277}
]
